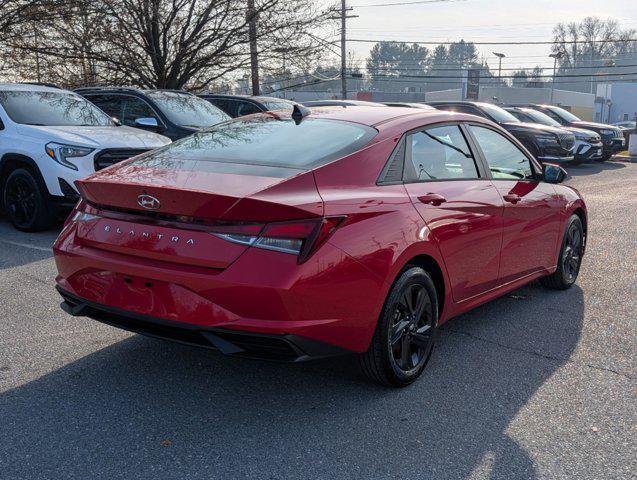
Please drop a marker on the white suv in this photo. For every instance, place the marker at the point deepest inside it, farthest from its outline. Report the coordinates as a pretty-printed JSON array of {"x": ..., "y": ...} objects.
[{"x": 49, "y": 138}]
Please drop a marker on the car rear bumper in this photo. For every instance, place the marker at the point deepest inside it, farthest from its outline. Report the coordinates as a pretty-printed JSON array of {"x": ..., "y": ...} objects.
[
  {"x": 261, "y": 292},
  {"x": 286, "y": 348}
]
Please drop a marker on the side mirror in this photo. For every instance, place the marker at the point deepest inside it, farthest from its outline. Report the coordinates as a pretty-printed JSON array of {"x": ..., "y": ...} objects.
[
  {"x": 553, "y": 173},
  {"x": 147, "y": 123}
]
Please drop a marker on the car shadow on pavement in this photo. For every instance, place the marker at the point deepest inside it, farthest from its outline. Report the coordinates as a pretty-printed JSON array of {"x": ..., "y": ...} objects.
[
  {"x": 591, "y": 168},
  {"x": 143, "y": 408}
]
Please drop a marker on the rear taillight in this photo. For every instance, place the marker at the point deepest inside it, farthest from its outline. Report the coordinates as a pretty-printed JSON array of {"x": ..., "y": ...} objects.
[{"x": 301, "y": 238}]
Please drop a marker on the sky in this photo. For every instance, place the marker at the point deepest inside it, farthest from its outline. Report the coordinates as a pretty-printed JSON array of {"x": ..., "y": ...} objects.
[{"x": 478, "y": 20}]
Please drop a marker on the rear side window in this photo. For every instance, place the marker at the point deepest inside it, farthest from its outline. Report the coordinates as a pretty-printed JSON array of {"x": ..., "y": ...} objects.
[
  {"x": 264, "y": 141},
  {"x": 439, "y": 153},
  {"x": 506, "y": 161}
]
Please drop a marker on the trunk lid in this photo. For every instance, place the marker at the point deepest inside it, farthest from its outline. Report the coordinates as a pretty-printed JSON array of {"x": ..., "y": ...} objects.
[{"x": 166, "y": 212}]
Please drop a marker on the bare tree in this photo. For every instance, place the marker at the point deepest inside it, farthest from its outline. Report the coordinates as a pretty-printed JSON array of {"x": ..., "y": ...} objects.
[{"x": 168, "y": 43}]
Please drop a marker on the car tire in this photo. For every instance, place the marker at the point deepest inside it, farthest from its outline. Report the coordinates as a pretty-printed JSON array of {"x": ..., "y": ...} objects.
[
  {"x": 570, "y": 258},
  {"x": 25, "y": 202},
  {"x": 405, "y": 334}
]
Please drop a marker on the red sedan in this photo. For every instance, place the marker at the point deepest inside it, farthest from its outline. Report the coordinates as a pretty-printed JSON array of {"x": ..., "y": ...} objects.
[{"x": 341, "y": 229}]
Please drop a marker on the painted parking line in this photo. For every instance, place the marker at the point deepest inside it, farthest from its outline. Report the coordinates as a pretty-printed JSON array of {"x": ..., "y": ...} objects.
[{"x": 27, "y": 245}]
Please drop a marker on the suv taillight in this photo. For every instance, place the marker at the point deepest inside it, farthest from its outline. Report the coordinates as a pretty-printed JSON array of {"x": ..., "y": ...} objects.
[{"x": 298, "y": 237}]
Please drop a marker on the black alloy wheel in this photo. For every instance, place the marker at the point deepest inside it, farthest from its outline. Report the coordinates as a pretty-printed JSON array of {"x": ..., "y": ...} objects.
[
  {"x": 24, "y": 202},
  {"x": 572, "y": 254},
  {"x": 570, "y": 259},
  {"x": 405, "y": 334},
  {"x": 411, "y": 336}
]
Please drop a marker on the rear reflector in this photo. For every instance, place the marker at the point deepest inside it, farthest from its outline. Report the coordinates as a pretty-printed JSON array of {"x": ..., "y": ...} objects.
[{"x": 301, "y": 238}]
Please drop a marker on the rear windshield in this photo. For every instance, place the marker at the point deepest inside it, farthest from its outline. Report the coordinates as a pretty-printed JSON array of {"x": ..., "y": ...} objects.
[
  {"x": 266, "y": 141},
  {"x": 55, "y": 109},
  {"x": 188, "y": 110}
]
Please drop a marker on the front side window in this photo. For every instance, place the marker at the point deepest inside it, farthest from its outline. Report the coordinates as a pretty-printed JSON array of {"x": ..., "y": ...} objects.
[
  {"x": 187, "y": 110},
  {"x": 110, "y": 104},
  {"x": 246, "y": 108},
  {"x": 439, "y": 153},
  {"x": 55, "y": 109},
  {"x": 134, "y": 108},
  {"x": 262, "y": 141},
  {"x": 506, "y": 161}
]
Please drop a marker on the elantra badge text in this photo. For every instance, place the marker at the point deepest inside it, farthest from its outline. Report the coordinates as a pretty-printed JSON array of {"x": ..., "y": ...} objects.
[{"x": 158, "y": 236}]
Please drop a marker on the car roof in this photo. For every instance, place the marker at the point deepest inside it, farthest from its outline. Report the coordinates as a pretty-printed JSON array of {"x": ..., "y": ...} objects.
[
  {"x": 349, "y": 103},
  {"x": 390, "y": 117},
  {"x": 31, "y": 87},
  {"x": 258, "y": 98}
]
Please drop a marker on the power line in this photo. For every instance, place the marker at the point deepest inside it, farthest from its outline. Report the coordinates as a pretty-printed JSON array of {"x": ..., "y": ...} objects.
[
  {"x": 544, "y": 42},
  {"x": 484, "y": 68},
  {"x": 578, "y": 75},
  {"x": 414, "y": 2}
]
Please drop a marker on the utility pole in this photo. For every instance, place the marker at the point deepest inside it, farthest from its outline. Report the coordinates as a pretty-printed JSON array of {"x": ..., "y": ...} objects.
[
  {"x": 342, "y": 15},
  {"x": 254, "y": 55},
  {"x": 343, "y": 53}
]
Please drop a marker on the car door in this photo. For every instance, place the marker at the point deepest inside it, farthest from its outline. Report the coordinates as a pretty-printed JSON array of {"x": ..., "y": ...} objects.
[
  {"x": 531, "y": 207},
  {"x": 462, "y": 208}
]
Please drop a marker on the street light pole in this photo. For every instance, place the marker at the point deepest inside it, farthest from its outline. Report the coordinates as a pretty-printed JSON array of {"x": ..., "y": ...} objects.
[
  {"x": 500, "y": 57},
  {"x": 555, "y": 57}
]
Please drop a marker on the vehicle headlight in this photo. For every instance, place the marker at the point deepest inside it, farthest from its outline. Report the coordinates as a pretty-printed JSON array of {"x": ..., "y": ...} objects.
[
  {"x": 60, "y": 153},
  {"x": 607, "y": 132},
  {"x": 547, "y": 140}
]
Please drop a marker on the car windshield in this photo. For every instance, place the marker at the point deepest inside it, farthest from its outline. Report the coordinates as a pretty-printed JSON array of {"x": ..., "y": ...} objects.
[
  {"x": 564, "y": 114},
  {"x": 187, "y": 110},
  {"x": 498, "y": 114},
  {"x": 55, "y": 109},
  {"x": 265, "y": 141},
  {"x": 540, "y": 117}
]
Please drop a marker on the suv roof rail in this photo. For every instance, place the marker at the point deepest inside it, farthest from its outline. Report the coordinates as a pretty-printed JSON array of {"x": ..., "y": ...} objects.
[
  {"x": 174, "y": 90},
  {"x": 43, "y": 84},
  {"x": 106, "y": 87}
]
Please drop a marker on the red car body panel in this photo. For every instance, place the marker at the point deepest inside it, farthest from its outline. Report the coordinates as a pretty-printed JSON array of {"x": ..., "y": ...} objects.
[{"x": 483, "y": 246}]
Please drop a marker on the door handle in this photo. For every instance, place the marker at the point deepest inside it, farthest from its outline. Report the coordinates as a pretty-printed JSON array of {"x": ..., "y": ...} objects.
[
  {"x": 432, "y": 199},
  {"x": 511, "y": 198}
]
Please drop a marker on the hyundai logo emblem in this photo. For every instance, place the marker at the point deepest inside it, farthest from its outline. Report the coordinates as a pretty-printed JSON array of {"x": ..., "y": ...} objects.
[{"x": 148, "y": 202}]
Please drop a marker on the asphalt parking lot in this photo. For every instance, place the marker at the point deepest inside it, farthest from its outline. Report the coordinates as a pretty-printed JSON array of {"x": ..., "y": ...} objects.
[{"x": 538, "y": 384}]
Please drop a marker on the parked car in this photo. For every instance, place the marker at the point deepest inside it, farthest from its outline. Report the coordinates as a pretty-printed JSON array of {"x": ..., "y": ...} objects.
[
  {"x": 626, "y": 125},
  {"x": 547, "y": 144},
  {"x": 49, "y": 138},
  {"x": 408, "y": 105},
  {"x": 240, "y": 105},
  {"x": 612, "y": 137},
  {"x": 588, "y": 144},
  {"x": 352, "y": 230},
  {"x": 342, "y": 103},
  {"x": 173, "y": 113}
]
